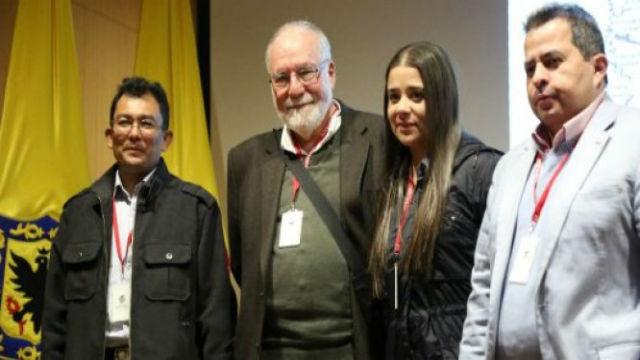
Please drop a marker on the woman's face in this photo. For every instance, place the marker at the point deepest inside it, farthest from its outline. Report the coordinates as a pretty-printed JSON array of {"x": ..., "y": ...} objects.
[{"x": 407, "y": 109}]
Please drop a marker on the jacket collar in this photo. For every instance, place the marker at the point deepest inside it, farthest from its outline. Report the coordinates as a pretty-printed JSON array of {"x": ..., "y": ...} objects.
[
  {"x": 103, "y": 187},
  {"x": 469, "y": 145}
]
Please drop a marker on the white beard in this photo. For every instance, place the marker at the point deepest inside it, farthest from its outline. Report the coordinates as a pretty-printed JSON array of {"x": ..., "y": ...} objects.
[{"x": 305, "y": 121}]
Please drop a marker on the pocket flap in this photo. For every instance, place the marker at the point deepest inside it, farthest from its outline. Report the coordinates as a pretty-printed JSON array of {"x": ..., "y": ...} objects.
[
  {"x": 81, "y": 252},
  {"x": 167, "y": 254}
]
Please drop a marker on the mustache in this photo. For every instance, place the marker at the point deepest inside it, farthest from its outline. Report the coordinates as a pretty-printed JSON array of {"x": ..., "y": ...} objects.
[
  {"x": 304, "y": 100},
  {"x": 133, "y": 147}
]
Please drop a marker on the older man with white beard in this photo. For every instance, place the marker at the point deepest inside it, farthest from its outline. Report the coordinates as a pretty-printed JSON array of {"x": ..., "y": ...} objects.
[{"x": 302, "y": 297}]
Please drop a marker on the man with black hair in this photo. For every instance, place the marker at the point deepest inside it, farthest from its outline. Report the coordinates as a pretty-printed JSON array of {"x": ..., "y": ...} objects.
[
  {"x": 137, "y": 269},
  {"x": 557, "y": 264}
]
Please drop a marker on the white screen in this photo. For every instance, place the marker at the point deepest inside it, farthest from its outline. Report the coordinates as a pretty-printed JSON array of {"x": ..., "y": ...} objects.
[{"x": 619, "y": 21}]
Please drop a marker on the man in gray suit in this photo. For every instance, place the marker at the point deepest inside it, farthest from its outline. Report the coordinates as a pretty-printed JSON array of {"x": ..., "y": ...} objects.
[
  {"x": 557, "y": 266},
  {"x": 298, "y": 299}
]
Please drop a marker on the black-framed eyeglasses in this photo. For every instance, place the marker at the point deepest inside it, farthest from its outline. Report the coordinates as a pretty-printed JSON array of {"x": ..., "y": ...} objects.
[{"x": 307, "y": 75}]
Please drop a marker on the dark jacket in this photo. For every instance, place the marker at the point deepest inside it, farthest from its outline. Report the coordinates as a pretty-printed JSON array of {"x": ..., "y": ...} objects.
[
  {"x": 432, "y": 309},
  {"x": 182, "y": 305},
  {"x": 255, "y": 177}
]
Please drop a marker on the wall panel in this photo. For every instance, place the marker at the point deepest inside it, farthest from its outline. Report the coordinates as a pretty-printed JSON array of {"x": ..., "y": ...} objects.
[
  {"x": 106, "y": 33},
  {"x": 105, "y": 42},
  {"x": 7, "y": 18}
]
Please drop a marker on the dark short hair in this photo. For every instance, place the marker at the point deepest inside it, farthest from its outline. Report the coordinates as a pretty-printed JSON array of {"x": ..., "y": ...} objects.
[
  {"x": 137, "y": 87},
  {"x": 586, "y": 35}
]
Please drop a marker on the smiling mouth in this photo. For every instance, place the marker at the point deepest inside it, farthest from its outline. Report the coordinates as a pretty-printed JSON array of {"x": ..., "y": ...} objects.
[
  {"x": 405, "y": 123},
  {"x": 297, "y": 106},
  {"x": 138, "y": 150},
  {"x": 404, "y": 127}
]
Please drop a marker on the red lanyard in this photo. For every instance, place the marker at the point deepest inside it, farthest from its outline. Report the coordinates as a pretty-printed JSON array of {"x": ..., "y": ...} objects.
[
  {"x": 539, "y": 203},
  {"x": 405, "y": 212},
  {"x": 116, "y": 231},
  {"x": 295, "y": 184}
]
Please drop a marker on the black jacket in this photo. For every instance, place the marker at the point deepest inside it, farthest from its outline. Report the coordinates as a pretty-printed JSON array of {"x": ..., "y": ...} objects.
[
  {"x": 432, "y": 308},
  {"x": 182, "y": 305}
]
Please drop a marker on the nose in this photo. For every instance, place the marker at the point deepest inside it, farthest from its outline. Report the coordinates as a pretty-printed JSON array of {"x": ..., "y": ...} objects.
[
  {"x": 135, "y": 131},
  {"x": 540, "y": 78},
  {"x": 402, "y": 108},
  {"x": 296, "y": 88}
]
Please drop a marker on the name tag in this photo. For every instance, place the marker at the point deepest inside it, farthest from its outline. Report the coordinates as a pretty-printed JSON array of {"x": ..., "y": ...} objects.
[
  {"x": 290, "y": 228},
  {"x": 119, "y": 302},
  {"x": 521, "y": 268}
]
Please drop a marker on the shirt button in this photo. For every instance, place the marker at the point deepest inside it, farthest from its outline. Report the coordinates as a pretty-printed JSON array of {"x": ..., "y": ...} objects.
[
  {"x": 168, "y": 256},
  {"x": 80, "y": 254}
]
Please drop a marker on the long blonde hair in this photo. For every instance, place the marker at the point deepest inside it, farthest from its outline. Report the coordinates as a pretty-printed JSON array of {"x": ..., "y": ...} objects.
[{"x": 443, "y": 137}]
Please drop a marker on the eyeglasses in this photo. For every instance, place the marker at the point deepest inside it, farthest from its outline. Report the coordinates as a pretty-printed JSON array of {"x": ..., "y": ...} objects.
[
  {"x": 126, "y": 124},
  {"x": 307, "y": 75}
]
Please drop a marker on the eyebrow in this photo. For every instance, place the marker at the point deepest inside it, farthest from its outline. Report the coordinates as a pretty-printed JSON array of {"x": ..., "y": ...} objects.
[
  {"x": 305, "y": 65},
  {"x": 553, "y": 53},
  {"x": 130, "y": 116},
  {"x": 410, "y": 87},
  {"x": 546, "y": 55}
]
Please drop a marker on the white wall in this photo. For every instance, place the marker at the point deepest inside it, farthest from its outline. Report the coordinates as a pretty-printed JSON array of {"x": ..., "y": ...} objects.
[{"x": 364, "y": 35}]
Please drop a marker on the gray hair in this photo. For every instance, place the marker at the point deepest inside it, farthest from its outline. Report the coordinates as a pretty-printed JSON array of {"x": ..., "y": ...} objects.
[{"x": 323, "y": 41}]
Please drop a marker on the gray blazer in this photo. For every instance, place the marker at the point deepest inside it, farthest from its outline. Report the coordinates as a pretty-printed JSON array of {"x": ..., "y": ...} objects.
[{"x": 588, "y": 288}]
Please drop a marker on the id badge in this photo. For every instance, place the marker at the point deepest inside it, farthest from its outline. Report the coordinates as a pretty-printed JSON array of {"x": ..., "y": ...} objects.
[
  {"x": 290, "y": 228},
  {"x": 119, "y": 302},
  {"x": 521, "y": 269}
]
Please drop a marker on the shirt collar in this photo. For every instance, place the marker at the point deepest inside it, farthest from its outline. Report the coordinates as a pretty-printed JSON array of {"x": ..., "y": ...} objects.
[
  {"x": 286, "y": 142},
  {"x": 570, "y": 131},
  {"x": 121, "y": 193}
]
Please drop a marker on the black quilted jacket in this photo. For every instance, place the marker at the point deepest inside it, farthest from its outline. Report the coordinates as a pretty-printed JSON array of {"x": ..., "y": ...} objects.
[{"x": 432, "y": 308}]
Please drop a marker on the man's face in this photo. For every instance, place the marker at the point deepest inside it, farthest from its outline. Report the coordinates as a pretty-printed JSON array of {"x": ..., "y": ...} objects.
[
  {"x": 560, "y": 82},
  {"x": 302, "y": 106},
  {"x": 136, "y": 136}
]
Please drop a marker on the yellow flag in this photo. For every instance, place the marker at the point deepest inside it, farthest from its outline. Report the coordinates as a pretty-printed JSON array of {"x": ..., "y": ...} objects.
[
  {"x": 42, "y": 162},
  {"x": 167, "y": 53}
]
